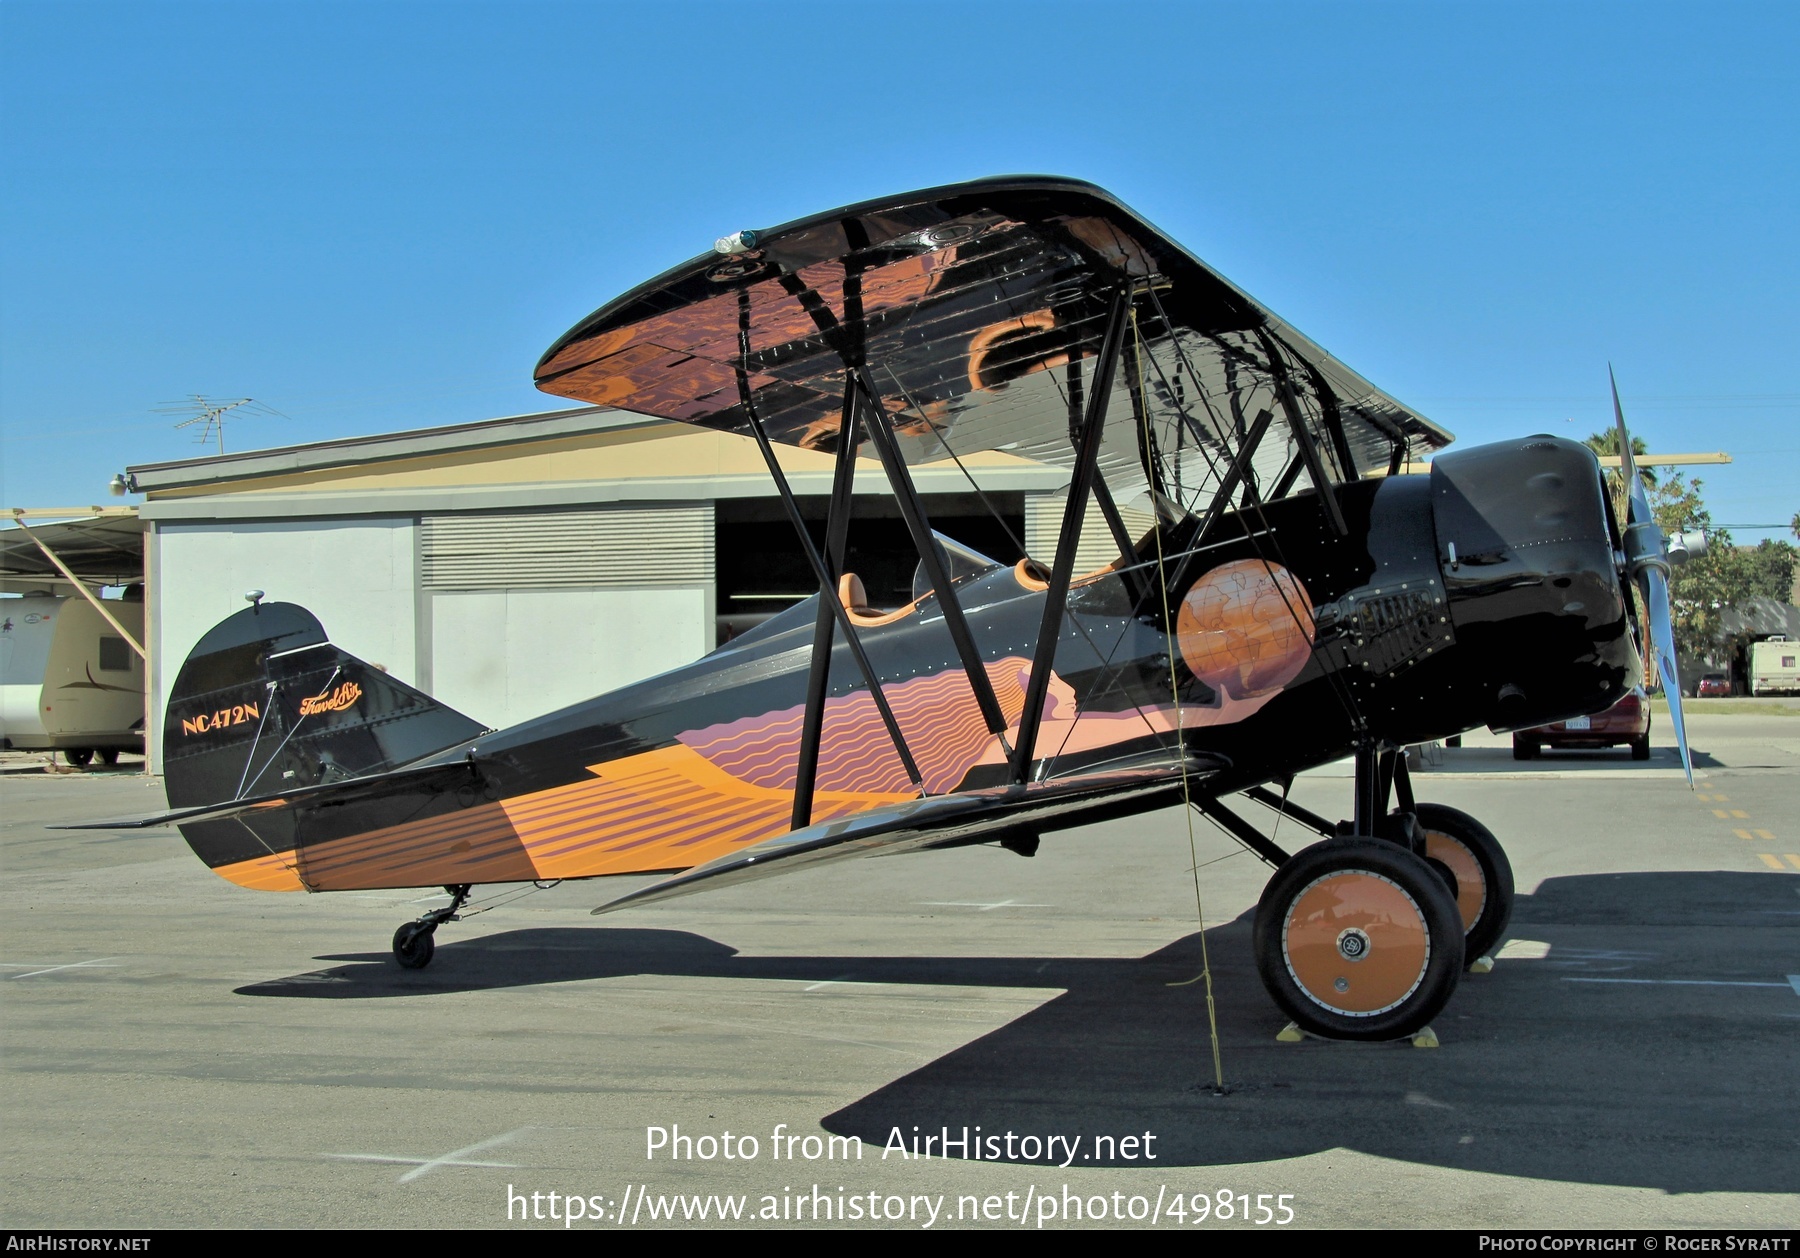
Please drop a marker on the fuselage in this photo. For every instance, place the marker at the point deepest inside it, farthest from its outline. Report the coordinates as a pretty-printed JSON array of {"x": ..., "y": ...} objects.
[{"x": 1484, "y": 593}]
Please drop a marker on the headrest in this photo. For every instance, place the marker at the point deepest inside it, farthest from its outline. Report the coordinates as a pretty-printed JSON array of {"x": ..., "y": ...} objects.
[{"x": 851, "y": 593}]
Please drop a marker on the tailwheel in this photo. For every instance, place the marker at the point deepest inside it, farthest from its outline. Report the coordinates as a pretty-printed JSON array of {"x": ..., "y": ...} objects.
[
  {"x": 1484, "y": 877},
  {"x": 1358, "y": 939},
  {"x": 414, "y": 943}
]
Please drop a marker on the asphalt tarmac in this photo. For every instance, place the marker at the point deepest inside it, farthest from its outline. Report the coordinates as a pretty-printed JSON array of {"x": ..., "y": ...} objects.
[{"x": 180, "y": 1052}]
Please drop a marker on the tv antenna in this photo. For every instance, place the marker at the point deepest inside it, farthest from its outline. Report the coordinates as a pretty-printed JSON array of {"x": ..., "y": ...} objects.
[{"x": 209, "y": 413}]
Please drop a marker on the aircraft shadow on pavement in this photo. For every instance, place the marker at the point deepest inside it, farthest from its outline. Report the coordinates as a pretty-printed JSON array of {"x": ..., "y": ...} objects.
[{"x": 1651, "y": 1047}]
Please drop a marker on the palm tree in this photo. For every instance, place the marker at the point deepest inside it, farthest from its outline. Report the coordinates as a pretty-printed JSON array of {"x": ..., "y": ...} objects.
[{"x": 1607, "y": 443}]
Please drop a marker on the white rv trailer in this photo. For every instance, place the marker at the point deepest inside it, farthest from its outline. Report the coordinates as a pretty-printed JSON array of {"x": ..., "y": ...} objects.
[
  {"x": 68, "y": 681},
  {"x": 1775, "y": 667}
]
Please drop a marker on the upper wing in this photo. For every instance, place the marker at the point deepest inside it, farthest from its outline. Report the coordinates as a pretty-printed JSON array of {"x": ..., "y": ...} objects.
[
  {"x": 975, "y": 308},
  {"x": 942, "y": 821}
]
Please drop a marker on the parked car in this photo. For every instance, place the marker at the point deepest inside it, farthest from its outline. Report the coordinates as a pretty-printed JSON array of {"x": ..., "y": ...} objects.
[
  {"x": 1713, "y": 686},
  {"x": 1627, "y": 721}
]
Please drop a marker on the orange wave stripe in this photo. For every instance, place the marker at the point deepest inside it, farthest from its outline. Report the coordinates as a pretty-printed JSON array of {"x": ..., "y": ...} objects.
[
  {"x": 706, "y": 813},
  {"x": 264, "y": 873}
]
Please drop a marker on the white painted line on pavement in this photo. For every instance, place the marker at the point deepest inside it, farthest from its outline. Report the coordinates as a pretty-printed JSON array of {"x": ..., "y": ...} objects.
[{"x": 1682, "y": 982}]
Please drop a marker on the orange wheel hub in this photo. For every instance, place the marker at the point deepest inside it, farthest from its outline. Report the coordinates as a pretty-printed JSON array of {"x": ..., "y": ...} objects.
[
  {"x": 1471, "y": 887},
  {"x": 1355, "y": 942}
]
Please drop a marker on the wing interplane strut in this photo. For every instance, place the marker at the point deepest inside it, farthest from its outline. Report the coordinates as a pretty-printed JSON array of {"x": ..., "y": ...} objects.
[{"x": 1056, "y": 597}]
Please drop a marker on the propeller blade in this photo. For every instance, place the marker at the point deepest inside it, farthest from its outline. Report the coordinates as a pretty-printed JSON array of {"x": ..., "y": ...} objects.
[
  {"x": 1634, "y": 484},
  {"x": 1649, "y": 562},
  {"x": 1662, "y": 636}
]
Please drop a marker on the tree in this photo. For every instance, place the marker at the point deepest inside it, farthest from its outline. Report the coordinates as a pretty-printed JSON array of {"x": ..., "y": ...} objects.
[
  {"x": 1772, "y": 566},
  {"x": 1607, "y": 443},
  {"x": 1727, "y": 575}
]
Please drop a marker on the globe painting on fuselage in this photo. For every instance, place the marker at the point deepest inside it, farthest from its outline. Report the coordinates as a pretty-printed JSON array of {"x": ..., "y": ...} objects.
[{"x": 1243, "y": 628}]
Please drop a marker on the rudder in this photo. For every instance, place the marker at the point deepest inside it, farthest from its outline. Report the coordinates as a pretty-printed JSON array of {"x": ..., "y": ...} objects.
[{"x": 265, "y": 703}]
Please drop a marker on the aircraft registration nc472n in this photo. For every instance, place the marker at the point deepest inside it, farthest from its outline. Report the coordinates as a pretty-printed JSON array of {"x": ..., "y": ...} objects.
[{"x": 1297, "y": 599}]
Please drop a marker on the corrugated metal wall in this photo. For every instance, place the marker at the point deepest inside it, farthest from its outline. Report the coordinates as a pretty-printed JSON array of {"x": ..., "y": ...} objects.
[
  {"x": 1043, "y": 522},
  {"x": 530, "y": 611},
  {"x": 656, "y": 547}
]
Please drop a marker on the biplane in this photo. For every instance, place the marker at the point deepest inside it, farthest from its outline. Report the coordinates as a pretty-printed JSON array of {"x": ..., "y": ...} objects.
[{"x": 1298, "y": 598}]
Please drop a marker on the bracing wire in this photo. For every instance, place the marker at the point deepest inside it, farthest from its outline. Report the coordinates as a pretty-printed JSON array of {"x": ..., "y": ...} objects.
[
  {"x": 954, "y": 456},
  {"x": 1340, "y": 689},
  {"x": 1113, "y": 681},
  {"x": 1187, "y": 802},
  {"x": 506, "y": 896}
]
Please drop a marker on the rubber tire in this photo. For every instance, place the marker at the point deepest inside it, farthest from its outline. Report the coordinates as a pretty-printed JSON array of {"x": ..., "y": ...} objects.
[
  {"x": 413, "y": 945},
  {"x": 1480, "y": 939},
  {"x": 1525, "y": 750},
  {"x": 80, "y": 757},
  {"x": 109, "y": 756},
  {"x": 1640, "y": 750},
  {"x": 1442, "y": 923}
]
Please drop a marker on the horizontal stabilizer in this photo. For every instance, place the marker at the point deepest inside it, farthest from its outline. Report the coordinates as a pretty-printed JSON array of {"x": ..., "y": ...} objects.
[
  {"x": 341, "y": 791},
  {"x": 933, "y": 822}
]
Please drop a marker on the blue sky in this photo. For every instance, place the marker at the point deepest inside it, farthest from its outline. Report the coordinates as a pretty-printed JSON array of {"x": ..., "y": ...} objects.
[{"x": 376, "y": 216}]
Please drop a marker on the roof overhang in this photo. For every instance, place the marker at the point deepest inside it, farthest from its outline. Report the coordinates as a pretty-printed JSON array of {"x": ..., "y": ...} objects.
[{"x": 387, "y": 447}]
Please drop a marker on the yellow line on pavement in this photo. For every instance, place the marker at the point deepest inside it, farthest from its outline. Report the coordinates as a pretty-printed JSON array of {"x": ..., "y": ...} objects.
[
  {"x": 1743, "y": 834},
  {"x": 1766, "y": 836},
  {"x": 1793, "y": 860},
  {"x": 1740, "y": 814},
  {"x": 1769, "y": 860},
  {"x": 1721, "y": 814}
]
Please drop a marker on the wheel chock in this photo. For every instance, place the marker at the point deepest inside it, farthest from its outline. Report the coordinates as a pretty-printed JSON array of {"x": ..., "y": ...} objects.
[
  {"x": 1290, "y": 1034},
  {"x": 1425, "y": 1037},
  {"x": 1482, "y": 965}
]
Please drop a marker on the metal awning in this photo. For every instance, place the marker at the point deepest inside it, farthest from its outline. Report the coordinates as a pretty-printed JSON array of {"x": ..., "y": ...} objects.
[{"x": 101, "y": 550}]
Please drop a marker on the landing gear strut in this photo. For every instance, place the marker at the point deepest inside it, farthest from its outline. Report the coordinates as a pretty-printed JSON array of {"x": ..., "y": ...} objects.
[
  {"x": 414, "y": 942},
  {"x": 1364, "y": 935},
  {"x": 1467, "y": 856}
]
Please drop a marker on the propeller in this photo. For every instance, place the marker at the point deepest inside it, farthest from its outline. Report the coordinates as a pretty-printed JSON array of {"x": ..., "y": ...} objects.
[{"x": 1647, "y": 563}]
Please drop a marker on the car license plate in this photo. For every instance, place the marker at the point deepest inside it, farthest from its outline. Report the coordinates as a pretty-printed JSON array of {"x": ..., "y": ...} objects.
[{"x": 1580, "y": 722}]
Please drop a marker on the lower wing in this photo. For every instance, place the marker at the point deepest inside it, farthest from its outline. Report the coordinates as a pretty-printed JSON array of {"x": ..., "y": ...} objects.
[{"x": 980, "y": 816}]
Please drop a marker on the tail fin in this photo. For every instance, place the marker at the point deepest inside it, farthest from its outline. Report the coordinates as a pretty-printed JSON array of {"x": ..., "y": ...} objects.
[{"x": 265, "y": 703}]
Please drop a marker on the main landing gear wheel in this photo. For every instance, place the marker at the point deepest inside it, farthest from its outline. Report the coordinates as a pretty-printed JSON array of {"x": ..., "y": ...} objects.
[
  {"x": 1484, "y": 877},
  {"x": 1358, "y": 939},
  {"x": 413, "y": 945}
]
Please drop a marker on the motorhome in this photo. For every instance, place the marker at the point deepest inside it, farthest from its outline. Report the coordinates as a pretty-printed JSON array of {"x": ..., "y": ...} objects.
[
  {"x": 1775, "y": 667},
  {"x": 68, "y": 681}
]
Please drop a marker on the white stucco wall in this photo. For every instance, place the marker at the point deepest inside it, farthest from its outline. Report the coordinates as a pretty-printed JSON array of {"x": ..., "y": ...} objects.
[
  {"x": 502, "y": 656},
  {"x": 357, "y": 576}
]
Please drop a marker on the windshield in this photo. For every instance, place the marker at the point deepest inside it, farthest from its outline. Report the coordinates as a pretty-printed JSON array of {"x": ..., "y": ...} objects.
[{"x": 961, "y": 561}]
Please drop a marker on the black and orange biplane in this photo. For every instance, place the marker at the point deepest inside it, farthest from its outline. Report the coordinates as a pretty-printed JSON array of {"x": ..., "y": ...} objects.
[{"x": 1298, "y": 599}]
